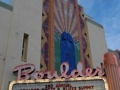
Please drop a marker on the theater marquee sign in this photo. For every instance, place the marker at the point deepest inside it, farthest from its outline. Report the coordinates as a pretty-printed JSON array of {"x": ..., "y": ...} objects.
[
  {"x": 88, "y": 83},
  {"x": 76, "y": 80},
  {"x": 25, "y": 71}
]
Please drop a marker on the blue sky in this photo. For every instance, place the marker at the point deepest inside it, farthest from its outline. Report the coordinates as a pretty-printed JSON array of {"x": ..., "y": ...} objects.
[
  {"x": 7, "y": 1},
  {"x": 107, "y": 13}
]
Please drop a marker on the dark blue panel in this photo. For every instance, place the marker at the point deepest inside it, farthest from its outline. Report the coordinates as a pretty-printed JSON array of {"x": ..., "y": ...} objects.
[{"x": 67, "y": 51}]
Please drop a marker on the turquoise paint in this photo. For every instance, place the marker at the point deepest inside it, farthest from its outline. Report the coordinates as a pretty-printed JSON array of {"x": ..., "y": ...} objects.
[
  {"x": 77, "y": 51},
  {"x": 57, "y": 51}
]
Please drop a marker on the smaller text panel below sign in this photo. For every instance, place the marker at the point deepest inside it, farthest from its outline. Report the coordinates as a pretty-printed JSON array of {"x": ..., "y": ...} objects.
[{"x": 62, "y": 85}]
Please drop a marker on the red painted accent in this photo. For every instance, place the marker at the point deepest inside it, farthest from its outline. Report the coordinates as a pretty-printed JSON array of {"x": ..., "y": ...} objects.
[
  {"x": 110, "y": 59},
  {"x": 25, "y": 70},
  {"x": 112, "y": 71}
]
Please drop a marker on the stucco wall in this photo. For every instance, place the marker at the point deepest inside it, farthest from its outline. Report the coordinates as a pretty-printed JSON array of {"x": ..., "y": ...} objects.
[
  {"x": 97, "y": 42},
  {"x": 5, "y": 18},
  {"x": 26, "y": 18}
]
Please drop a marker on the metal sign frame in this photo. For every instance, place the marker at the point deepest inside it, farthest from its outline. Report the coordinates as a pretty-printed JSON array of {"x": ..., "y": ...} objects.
[{"x": 59, "y": 80}]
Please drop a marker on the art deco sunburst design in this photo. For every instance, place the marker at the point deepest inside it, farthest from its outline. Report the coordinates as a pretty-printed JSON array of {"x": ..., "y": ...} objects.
[{"x": 65, "y": 18}]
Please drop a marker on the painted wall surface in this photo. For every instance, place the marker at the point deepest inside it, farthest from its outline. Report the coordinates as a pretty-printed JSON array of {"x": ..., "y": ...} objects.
[
  {"x": 26, "y": 18},
  {"x": 64, "y": 21},
  {"x": 85, "y": 39},
  {"x": 64, "y": 38},
  {"x": 32, "y": 17},
  {"x": 44, "y": 37},
  {"x": 97, "y": 42},
  {"x": 66, "y": 41},
  {"x": 5, "y": 18}
]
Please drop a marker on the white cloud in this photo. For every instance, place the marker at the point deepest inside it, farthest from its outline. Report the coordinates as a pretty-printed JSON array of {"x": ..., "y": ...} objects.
[
  {"x": 112, "y": 26},
  {"x": 108, "y": 14}
]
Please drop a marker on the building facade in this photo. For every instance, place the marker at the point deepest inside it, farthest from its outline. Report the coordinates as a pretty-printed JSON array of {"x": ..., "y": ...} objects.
[{"x": 46, "y": 34}]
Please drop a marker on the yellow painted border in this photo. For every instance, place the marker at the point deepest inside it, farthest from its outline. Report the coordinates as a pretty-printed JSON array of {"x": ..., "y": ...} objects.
[{"x": 59, "y": 79}]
